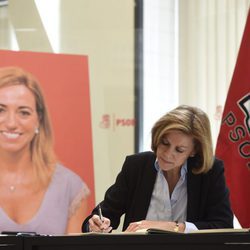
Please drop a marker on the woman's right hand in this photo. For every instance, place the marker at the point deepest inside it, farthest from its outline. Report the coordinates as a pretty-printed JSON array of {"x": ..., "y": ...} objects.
[{"x": 98, "y": 225}]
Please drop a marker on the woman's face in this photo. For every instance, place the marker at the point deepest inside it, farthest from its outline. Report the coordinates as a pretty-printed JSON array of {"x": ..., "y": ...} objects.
[
  {"x": 18, "y": 118},
  {"x": 174, "y": 149}
]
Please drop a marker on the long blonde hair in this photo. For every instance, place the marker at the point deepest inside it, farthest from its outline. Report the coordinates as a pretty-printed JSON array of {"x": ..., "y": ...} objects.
[
  {"x": 42, "y": 153},
  {"x": 191, "y": 121}
]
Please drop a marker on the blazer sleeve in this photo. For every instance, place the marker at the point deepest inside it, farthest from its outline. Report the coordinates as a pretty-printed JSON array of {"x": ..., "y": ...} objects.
[
  {"x": 212, "y": 203},
  {"x": 131, "y": 192},
  {"x": 117, "y": 196}
]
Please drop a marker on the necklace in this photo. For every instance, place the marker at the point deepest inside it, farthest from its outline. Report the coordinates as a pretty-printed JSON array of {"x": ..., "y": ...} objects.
[
  {"x": 13, "y": 181},
  {"x": 12, "y": 188}
]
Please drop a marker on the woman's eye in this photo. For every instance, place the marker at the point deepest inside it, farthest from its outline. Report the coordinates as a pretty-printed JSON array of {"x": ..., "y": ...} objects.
[
  {"x": 180, "y": 150},
  {"x": 165, "y": 143},
  {"x": 24, "y": 113},
  {"x": 2, "y": 110}
]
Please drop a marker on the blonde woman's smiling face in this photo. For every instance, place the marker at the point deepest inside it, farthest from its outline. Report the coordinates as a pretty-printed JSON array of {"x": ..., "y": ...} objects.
[
  {"x": 174, "y": 149},
  {"x": 18, "y": 118}
]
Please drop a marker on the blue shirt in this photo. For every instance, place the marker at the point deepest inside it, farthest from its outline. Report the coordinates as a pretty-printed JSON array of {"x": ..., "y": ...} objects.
[{"x": 166, "y": 208}]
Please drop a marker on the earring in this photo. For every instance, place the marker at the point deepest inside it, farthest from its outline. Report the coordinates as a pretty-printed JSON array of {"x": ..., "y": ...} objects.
[
  {"x": 191, "y": 155},
  {"x": 37, "y": 131}
]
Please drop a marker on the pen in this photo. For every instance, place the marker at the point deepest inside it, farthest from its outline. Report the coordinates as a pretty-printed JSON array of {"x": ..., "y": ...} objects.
[{"x": 100, "y": 213}]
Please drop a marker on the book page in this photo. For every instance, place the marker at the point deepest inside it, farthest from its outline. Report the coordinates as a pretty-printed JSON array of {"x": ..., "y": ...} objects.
[{"x": 222, "y": 230}]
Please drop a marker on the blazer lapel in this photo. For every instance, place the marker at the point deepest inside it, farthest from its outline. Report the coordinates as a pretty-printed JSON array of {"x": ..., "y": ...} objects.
[
  {"x": 145, "y": 190},
  {"x": 194, "y": 193}
]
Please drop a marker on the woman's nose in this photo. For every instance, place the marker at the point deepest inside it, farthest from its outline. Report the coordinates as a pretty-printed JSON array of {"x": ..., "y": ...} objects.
[
  {"x": 168, "y": 153},
  {"x": 10, "y": 120}
]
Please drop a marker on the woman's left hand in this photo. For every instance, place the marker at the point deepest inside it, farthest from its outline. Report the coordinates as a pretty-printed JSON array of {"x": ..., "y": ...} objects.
[{"x": 146, "y": 224}]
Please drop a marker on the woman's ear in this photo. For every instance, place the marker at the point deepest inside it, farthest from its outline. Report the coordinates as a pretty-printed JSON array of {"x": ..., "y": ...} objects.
[{"x": 192, "y": 154}]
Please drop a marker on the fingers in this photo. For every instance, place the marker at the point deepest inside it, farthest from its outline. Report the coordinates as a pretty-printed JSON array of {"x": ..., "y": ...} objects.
[
  {"x": 107, "y": 230},
  {"x": 134, "y": 226},
  {"x": 96, "y": 225}
]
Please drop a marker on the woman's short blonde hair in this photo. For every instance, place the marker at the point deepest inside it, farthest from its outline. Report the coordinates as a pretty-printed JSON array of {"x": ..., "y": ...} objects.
[
  {"x": 191, "y": 121},
  {"x": 41, "y": 148}
]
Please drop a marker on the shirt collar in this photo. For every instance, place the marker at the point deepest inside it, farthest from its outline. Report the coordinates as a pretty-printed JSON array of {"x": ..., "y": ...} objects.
[{"x": 183, "y": 169}]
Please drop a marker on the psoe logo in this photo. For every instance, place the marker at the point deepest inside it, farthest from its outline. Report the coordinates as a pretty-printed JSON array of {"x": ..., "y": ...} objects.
[
  {"x": 239, "y": 130},
  {"x": 244, "y": 105},
  {"x": 105, "y": 121},
  {"x": 112, "y": 122}
]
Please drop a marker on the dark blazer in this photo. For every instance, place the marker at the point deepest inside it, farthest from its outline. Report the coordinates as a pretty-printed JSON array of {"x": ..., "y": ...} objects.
[{"x": 208, "y": 203}]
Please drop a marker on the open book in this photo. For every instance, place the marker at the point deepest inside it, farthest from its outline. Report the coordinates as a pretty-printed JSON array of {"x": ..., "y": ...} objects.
[{"x": 221, "y": 230}]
